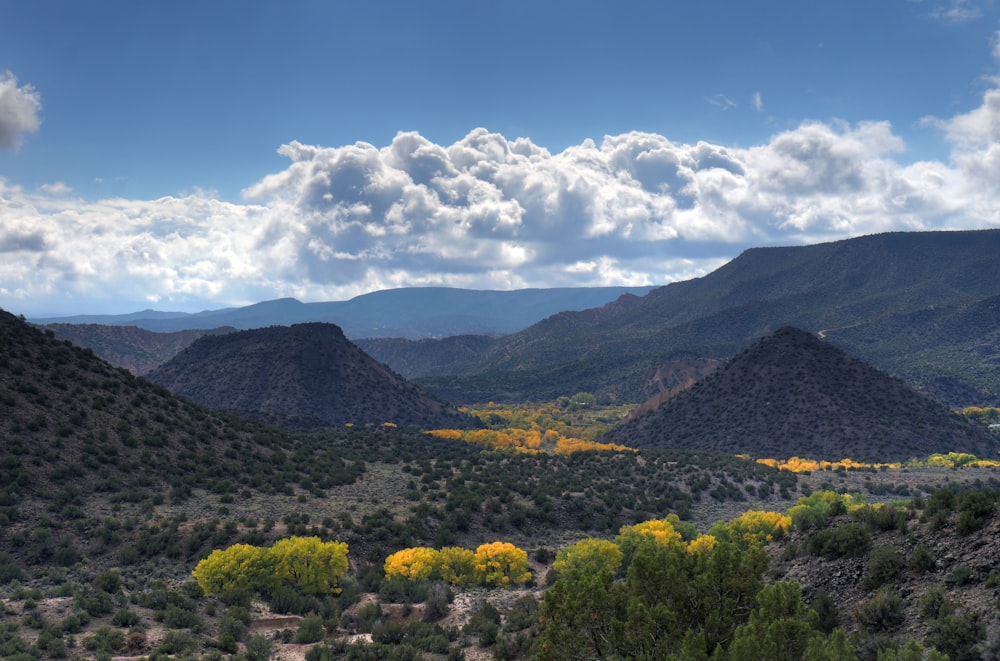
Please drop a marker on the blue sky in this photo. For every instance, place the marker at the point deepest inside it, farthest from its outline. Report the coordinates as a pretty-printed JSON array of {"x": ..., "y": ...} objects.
[{"x": 184, "y": 155}]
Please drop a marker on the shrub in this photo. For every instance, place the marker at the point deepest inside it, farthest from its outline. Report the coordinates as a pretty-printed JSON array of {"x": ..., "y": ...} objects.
[
  {"x": 310, "y": 630},
  {"x": 105, "y": 639},
  {"x": 882, "y": 612},
  {"x": 922, "y": 559},
  {"x": 961, "y": 575},
  {"x": 958, "y": 635},
  {"x": 437, "y": 603},
  {"x": 125, "y": 618},
  {"x": 933, "y": 603},
  {"x": 850, "y": 539},
  {"x": 884, "y": 564},
  {"x": 176, "y": 617}
]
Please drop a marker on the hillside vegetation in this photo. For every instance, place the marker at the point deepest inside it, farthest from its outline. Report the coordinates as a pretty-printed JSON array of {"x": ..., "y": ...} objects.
[
  {"x": 792, "y": 394},
  {"x": 304, "y": 375},
  {"x": 882, "y": 285},
  {"x": 136, "y": 349}
]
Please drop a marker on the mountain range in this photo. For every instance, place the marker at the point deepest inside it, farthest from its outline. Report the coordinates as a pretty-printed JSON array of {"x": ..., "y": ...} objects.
[
  {"x": 414, "y": 312},
  {"x": 922, "y": 306},
  {"x": 893, "y": 300}
]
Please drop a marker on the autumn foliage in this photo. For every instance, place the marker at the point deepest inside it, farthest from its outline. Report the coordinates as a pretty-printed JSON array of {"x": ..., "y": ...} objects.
[
  {"x": 307, "y": 563},
  {"x": 561, "y": 427},
  {"x": 496, "y": 564}
]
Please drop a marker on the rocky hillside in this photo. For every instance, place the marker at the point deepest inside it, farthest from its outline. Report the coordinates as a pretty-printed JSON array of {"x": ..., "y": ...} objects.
[
  {"x": 305, "y": 375},
  {"x": 792, "y": 394},
  {"x": 136, "y": 349}
]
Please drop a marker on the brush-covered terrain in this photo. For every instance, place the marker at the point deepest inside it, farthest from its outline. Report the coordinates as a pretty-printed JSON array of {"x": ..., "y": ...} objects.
[{"x": 114, "y": 491}]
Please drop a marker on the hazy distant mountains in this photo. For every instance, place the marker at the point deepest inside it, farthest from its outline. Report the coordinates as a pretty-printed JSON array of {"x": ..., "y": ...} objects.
[
  {"x": 304, "y": 375},
  {"x": 792, "y": 394},
  {"x": 414, "y": 313},
  {"x": 919, "y": 305}
]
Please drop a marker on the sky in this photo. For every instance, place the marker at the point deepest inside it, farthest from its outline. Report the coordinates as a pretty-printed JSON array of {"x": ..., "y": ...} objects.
[{"x": 191, "y": 155}]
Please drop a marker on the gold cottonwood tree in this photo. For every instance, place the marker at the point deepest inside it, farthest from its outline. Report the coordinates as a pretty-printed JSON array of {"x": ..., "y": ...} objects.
[
  {"x": 307, "y": 563},
  {"x": 501, "y": 563},
  {"x": 414, "y": 564},
  {"x": 496, "y": 563}
]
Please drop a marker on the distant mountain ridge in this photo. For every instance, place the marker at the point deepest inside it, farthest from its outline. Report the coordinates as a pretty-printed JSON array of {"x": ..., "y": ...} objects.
[
  {"x": 304, "y": 375},
  {"x": 414, "y": 312},
  {"x": 792, "y": 394},
  {"x": 868, "y": 283}
]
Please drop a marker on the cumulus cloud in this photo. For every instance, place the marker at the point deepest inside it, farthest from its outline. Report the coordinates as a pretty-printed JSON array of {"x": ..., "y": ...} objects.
[
  {"x": 492, "y": 212},
  {"x": 19, "y": 109}
]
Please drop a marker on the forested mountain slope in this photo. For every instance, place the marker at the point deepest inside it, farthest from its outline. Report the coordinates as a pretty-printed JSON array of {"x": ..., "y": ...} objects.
[
  {"x": 305, "y": 375},
  {"x": 792, "y": 394},
  {"x": 871, "y": 281},
  {"x": 136, "y": 349}
]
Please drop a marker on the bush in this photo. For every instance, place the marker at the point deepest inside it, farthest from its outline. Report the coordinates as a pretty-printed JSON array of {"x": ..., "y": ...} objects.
[
  {"x": 850, "y": 539},
  {"x": 882, "y": 612},
  {"x": 958, "y": 635},
  {"x": 105, "y": 639},
  {"x": 933, "y": 603},
  {"x": 176, "y": 617},
  {"x": 125, "y": 618},
  {"x": 922, "y": 559},
  {"x": 437, "y": 604},
  {"x": 961, "y": 575},
  {"x": 310, "y": 630},
  {"x": 884, "y": 564}
]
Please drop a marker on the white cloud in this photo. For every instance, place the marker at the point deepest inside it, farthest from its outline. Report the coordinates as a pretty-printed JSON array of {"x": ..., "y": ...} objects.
[
  {"x": 19, "y": 109},
  {"x": 489, "y": 212},
  {"x": 55, "y": 188},
  {"x": 956, "y": 11},
  {"x": 721, "y": 101},
  {"x": 758, "y": 101}
]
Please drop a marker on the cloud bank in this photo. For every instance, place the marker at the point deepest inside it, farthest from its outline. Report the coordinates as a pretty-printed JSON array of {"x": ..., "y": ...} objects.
[
  {"x": 490, "y": 212},
  {"x": 19, "y": 109}
]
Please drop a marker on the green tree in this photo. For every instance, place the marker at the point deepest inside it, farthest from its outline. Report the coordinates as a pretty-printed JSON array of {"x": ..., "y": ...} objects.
[
  {"x": 779, "y": 628},
  {"x": 579, "y": 607}
]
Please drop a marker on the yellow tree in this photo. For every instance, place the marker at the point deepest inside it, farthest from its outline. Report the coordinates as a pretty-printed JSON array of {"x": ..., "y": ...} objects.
[
  {"x": 414, "y": 564},
  {"x": 501, "y": 563},
  {"x": 241, "y": 566},
  {"x": 754, "y": 527},
  {"x": 457, "y": 565},
  {"x": 660, "y": 531},
  {"x": 310, "y": 564}
]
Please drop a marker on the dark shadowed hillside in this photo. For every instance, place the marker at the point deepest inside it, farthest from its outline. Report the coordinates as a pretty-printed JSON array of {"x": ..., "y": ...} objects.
[
  {"x": 449, "y": 355},
  {"x": 136, "y": 349},
  {"x": 69, "y": 420},
  {"x": 302, "y": 375},
  {"x": 792, "y": 394},
  {"x": 961, "y": 342},
  {"x": 867, "y": 280}
]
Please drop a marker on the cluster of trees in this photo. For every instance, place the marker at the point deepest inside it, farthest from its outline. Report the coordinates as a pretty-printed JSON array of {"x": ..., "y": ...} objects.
[
  {"x": 526, "y": 440},
  {"x": 800, "y": 465},
  {"x": 662, "y": 591},
  {"x": 306, "y": 563},
  {"x": 940, "y": 460},
  {"x": 494, "y": 564}
]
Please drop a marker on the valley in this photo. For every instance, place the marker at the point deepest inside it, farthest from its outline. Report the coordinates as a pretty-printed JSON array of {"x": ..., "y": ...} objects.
[{"x": 621, "y": 465}]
